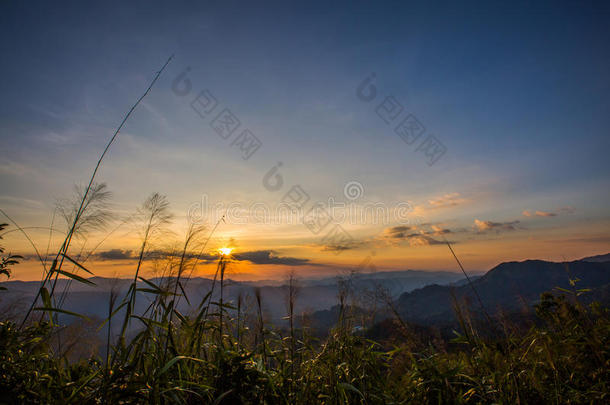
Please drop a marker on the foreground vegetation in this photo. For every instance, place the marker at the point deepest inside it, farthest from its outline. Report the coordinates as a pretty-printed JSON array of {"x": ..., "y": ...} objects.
[{"x": 226, "y": 353}]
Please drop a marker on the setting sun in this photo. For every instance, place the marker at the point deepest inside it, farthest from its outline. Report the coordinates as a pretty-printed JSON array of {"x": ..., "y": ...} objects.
[{"x": 226, "y": 251}]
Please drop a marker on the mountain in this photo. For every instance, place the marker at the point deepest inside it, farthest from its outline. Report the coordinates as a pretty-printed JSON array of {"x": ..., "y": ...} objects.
[
  {"x": 509, "y": 287},
  {"x": 313, "y": 294},
  {"x": 597, "y": 259},
  {"x": 419, "y": 296}
]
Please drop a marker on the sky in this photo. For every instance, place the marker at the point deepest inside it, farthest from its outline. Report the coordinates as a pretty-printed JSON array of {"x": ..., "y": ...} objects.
[{"x": 354, "y": 136}]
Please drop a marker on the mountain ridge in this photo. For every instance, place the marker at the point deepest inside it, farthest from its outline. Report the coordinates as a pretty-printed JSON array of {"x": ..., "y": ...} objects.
[{"x": 509, "y": 286}]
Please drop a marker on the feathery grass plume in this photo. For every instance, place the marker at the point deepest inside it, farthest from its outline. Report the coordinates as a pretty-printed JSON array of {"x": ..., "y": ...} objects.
[
  {"x": 63, "y": 250},
  {"x": 154, "y": 216},
  {"x": 94, "y": 213},
  {"x": 193, "y": 233}
]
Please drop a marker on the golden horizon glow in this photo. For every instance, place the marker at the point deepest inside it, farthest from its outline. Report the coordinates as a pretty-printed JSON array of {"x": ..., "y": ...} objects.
[{"x": 225, "y": 251}]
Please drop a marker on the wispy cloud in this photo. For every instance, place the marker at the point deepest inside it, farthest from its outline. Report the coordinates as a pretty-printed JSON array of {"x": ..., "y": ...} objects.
[
  {"x": 399, "y": 232},
  {"x": 115, "y": 254},
  {"x": 341, "y": 247},
  {"x": 423, "y": 240},
  {"x": 538, "y": 213},
  {"x": 270, "y": 257},
  {"x": 126, "y": 254},
  {"x": 438, "y": 230},
  {"x": 447, "y": 200},
  {"x": 21, "y": 202},
  {"x": 344, "y": 245},
  {"x": 413, "y": 235},
  {"x": 486, "y": 226},
  {"x": 14, "y": 168}
]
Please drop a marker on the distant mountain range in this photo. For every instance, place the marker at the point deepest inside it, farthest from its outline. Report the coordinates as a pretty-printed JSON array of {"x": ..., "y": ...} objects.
[
  {"x": 509, "y": 287},
  {"x": 419, "y": 296},
  {"x": 313, "y": 295}
]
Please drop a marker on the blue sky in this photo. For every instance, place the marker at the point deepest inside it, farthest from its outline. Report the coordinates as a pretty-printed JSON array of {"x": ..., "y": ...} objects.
[{"x": 517, "y": 93}]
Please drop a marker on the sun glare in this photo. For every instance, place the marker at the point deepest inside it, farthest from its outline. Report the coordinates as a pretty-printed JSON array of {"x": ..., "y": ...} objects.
[{"x": 225, "y": 251}]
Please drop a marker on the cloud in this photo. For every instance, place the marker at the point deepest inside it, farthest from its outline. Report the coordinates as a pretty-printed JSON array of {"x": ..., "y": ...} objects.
[
  {"x": 423, "y": 240},
  {"x": 14, "y": 168},
  {"x": 269, "y": 257},
  {"x": 447, "y": 200},
  {"x": 403, "y": 231},
  {"x": 20, "y": 202},
  {"x": 115, "y": 254},
  {"x": 399, "y": 232},
  {"x": 539, "y": 214},
  {"x": 564, "y": 210},
  {"x": 340, "y": 247},
  {"x": 425, "y": 210},
  {"x": 203, "y": 257},
  {"x": 120, "y": 254},
  {"x": 336, "y": 248},
  {"x": 545, "y": 214},
  {"x": 437, "y": 230},
  {"x": 343, "y": 245},
  {"x": 484, "y": 226},
  {"x": 414, "y": 236},
  {"x": 33, "y": 256}
]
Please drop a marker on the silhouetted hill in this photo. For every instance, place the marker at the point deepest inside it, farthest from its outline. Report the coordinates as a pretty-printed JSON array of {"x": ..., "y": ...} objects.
[
  {"x": 597, "y": 259},
  {"x": 509, "y": 286}
]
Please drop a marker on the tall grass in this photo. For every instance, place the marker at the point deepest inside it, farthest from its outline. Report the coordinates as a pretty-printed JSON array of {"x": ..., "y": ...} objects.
[
  {"x": 225, "y": 352},
  {"x": 78, "y": 218}
]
